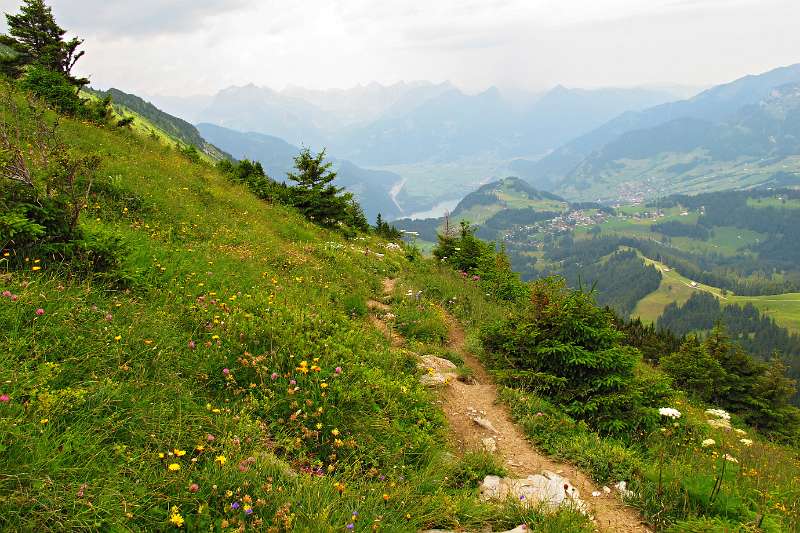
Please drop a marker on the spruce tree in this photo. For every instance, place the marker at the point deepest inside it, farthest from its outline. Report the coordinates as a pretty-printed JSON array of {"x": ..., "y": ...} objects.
[
  {"x": 41, "y": 38},
  {"x": 314, "y": 195}
]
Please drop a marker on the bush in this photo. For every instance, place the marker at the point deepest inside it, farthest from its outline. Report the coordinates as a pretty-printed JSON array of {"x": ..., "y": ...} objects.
[
  {"x": 478, "y": 261},
  {"x": 565, "y": 347},
  {"x": 102, "y": 250},
  {"x": 57, "y": 91}
]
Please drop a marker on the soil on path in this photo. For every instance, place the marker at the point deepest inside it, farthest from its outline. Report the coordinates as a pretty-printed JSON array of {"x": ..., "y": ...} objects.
[
  {"x": 460, "y": 403},
  {"x": 610, "y": 513}
]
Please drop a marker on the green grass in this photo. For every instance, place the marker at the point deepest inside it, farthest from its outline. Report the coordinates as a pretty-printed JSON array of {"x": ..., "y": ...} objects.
[
  {"x": 763, "y": 481},
  {"x": 238, "y": 352}
]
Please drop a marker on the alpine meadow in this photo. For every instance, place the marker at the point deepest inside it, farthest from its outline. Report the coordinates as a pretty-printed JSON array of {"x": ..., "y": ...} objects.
[{"x": 402, "y": 307}]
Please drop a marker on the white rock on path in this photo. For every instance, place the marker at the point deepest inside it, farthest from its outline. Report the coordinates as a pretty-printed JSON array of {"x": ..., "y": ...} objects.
[
  {"x": 484, "y": 423},
  {"x": 438, "y": 371},
  {"x": 489, "y": 444},
  {"x": 548, "y": 490},
  {"x": 622, "y": 487}
]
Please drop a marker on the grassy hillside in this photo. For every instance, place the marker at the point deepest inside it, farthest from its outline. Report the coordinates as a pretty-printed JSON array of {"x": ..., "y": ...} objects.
[
  {"x": 226, "y": 377},
  {"x": 149, "y": 120},
  {"x": 784, "y": 308}
]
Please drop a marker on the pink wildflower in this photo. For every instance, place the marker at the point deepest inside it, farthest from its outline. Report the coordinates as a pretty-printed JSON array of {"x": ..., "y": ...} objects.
[
  {"x": 226, "y": 371},
  {"x": 4, "y": 398},
  {"x": 39, "y": 312},
  {"x": 338, "y": 370}
]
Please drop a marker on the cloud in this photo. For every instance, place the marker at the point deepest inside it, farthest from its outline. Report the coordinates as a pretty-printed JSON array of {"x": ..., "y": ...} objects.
[
  {"x": 201, "y": 46},
  {"x": 126, "y": 18}
]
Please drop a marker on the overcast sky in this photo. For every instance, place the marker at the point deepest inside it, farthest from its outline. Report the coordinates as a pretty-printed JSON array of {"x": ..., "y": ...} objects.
[{"x": 175, "y": 47}]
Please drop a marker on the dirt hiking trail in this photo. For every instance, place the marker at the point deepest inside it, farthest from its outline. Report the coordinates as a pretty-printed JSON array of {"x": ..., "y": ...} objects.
[{"x": 463, "y": 402}]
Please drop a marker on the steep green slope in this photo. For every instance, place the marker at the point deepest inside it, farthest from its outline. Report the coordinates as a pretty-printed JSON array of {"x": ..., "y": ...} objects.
[
  {"x": 149, "y": 118},
  {"x": 225, "y": 376}
]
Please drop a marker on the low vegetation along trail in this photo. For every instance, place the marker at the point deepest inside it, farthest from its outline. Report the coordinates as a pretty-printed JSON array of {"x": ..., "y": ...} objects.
[{"x": 463, "y": 402}]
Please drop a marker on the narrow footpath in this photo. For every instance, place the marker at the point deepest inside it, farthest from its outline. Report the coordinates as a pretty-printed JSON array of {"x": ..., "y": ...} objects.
[{"x": 463, "y": 402}]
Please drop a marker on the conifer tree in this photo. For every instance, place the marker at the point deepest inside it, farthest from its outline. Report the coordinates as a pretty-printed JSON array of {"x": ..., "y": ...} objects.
[
  {"x": 42, "y": 40},
  {"x": 314, "y": 195}
]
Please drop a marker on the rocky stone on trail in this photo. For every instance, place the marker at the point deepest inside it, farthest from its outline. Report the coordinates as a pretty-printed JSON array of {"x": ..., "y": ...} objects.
[
  {"x": 489, "y": 444},
  {"x": 438, "y": 371},
  {"x": 547, "y": 490},
  {"x": 622, "y": 487},
  {"x": 484, "y": 423}
]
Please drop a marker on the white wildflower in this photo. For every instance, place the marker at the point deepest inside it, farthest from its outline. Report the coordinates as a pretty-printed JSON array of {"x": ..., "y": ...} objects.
[
  {"x": 669, "y": 412},
  {"x": 740, "y": 432},
  {"x": 729, "y": 457},
  {"x": 746, "y": 442},
  {"x": 719, "y": 423},
  {"x": 719, "y": 413},
  {"x": 708, "y": 442}
]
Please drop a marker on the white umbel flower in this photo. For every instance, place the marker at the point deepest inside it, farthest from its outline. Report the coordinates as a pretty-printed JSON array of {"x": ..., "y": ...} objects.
[
  {"x": 719, "y": 413},
  {"x": 669, "y": 412}
]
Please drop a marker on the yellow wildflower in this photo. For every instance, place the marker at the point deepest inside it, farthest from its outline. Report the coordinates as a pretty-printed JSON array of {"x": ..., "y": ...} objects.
[
  {"x": 175, "y": 518},
  {"x": 221, "y": 460},
  {"x": 174, "y": 467},
  {"x": 179, "y": 453}
]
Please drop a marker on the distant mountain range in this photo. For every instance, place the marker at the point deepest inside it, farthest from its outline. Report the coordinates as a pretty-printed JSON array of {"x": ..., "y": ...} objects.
[
  {"x": 611, "y": 145},
  {"x": 734, "y": 135},
  {"x": 415, "y": 122}
]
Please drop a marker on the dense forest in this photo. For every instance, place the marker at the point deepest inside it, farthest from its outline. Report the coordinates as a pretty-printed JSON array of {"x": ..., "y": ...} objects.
[
  {"x": 743, "y": 274},
  {"x": 619, "y": 282},
  {"x": 673, "y": 228},
  {"x": 756, "y": 333}
]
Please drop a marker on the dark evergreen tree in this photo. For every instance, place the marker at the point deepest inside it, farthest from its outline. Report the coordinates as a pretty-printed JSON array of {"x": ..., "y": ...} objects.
[
  {"x": 566, "y": 348},
  {"x": 41, "y": 39}
]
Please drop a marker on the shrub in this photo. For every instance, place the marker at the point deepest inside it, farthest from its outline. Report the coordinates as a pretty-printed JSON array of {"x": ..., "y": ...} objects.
[
  {"x": 565, "y": 347},
  {"x": 557, "y": 434},
  {"x": 480, "y": 262},
  {"x": 101, "y": 250},
  {"x": 59, "y": 93}
]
